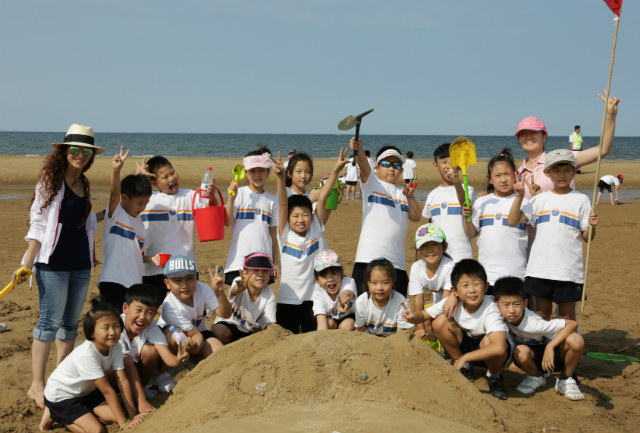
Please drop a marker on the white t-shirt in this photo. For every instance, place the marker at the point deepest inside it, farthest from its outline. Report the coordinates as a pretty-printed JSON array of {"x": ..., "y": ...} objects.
[
  {"x": 168, "y": 221},
  {"x": 251, "y": 316},
  {"x": 534, "y": 330},
  {"x": 353, "y": 171},
  {"x": 323, "y": 304},
  {"x": 254, "y": 215},
  {"x": 296, "y": 257},
  {"x": 381, "y": 321},
  {"x": 559, "y": 219},
  {"x": 75, "y": 375},
  {"x": 133, "y": 348},
  {"x": 385, "y": 220},
  {"x": 182, "y": 316},
  {"x": 123, "y": 239},
  {"x": 502, "y": 249},
  {"x": 419, "y": 280},
  {"x": 408, "y": 169},
  {"x": 485, "y": 320},
  {"x": 610, "y": 180},
  {"x": 443, "y": 209}
]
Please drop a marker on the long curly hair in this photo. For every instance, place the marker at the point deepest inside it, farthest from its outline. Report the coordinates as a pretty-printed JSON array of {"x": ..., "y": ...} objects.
[{"x": 52, "y": 178}]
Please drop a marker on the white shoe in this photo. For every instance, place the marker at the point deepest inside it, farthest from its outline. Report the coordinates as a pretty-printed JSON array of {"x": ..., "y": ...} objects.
[
  {"x": 165, "y": 382},
  {"x": 569, "y": 388},
  {"x": 530, "y": 384}
]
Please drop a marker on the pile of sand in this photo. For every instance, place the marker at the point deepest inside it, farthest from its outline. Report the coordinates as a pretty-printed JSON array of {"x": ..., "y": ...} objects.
[{"x": 324, "y": 381}]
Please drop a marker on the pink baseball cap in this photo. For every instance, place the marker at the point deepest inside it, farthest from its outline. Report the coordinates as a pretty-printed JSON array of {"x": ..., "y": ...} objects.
[{"x": 531, "y": 124}]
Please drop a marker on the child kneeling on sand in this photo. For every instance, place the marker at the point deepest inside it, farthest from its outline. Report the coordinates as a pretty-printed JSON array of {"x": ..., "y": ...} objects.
[
  {"x": 379, "y": 311},
  {"x": 334, "y": 294},
  {"x": 253, "y": 303},
  {"x": 144, "y": 345},
  {"x": 477, "y": 334},
  {"x": 78, "y": 393},
  {"x": 184, "y": 307},
  {"x": 541, "y": 345}
]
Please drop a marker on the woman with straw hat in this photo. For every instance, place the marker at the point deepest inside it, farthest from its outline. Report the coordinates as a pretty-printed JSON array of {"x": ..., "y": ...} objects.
[{"x": 61, "y": 248}]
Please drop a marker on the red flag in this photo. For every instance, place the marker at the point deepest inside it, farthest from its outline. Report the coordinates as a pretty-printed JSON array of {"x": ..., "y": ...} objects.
[{"x": 614, "y": 5}]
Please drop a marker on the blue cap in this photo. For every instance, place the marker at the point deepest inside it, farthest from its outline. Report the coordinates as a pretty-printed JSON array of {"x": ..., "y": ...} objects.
[{"x": 179, "y": 266}]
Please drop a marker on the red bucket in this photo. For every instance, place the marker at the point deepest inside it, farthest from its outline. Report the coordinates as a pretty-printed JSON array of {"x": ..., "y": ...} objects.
[{"x": 209, "y": 220}]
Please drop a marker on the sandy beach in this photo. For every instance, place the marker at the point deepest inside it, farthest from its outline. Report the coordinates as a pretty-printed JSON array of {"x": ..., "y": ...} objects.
[{"x": 312, "y": 379}]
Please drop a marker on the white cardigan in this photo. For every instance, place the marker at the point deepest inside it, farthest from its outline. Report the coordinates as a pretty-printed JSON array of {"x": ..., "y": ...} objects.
[{"x": 45, "y": 227}]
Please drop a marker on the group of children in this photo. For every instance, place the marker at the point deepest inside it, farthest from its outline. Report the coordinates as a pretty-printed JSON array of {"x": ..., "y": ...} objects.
[{"x": 479, "y": 312}]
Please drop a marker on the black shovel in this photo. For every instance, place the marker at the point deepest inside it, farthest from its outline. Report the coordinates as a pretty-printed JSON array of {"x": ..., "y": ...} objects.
[{"x": 351, "y": 121}]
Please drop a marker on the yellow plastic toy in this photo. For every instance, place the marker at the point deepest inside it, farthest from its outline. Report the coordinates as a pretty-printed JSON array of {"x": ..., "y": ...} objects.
[
  {"x": 238, "y": 174},
  {"x": 22, "y": 273}
]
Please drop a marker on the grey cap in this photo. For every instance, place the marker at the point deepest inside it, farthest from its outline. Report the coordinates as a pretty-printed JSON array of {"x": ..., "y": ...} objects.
[{"x": 559, "y": 156}]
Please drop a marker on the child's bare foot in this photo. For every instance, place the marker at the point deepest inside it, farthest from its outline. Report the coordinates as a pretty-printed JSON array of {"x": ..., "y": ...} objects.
[
  {"x": 46, "y": 421},
  {"x": 37, "y": 394}
]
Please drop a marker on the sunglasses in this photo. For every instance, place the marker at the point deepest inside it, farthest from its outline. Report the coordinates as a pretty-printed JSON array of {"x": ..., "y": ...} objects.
[
  {"x": 75, "y": 151},
  {"x": 387, "y": 164}
]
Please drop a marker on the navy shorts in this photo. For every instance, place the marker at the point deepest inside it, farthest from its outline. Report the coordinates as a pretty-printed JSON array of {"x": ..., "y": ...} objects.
[
  {"x": 538, "y": 354},
  {"x": 207, "y": 334},
  {"x": 556, "y": 291},
  {"x": 296, "y": 318},
  {"x": 67, "y": 411},
  {"x": 470, "y": 344},
  {"x": 236, "y": 334}
]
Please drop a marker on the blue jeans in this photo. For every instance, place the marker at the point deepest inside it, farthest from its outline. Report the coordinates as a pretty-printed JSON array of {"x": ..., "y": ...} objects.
[{"x": 62, "y": 296}]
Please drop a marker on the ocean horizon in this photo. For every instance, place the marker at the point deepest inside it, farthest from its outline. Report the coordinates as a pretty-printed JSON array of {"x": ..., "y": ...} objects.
[{"x": 21, "y": 143}]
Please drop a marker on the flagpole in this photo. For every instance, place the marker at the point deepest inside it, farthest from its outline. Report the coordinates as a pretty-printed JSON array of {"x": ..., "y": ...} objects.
[{"x": 597, "y": 177}]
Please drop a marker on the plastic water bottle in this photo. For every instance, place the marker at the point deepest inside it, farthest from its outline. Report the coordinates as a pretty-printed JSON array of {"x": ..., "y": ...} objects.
[
  {"x": 177, "y": 335},
  {"x": 206, "y": 180}
]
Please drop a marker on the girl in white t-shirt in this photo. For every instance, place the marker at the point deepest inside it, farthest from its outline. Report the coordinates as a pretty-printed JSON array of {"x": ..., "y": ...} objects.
[
  {"x": 299, "y": 173},
  {"x": 252, "y": 214},
  {"x": 334, "y": 295},
  {"x": 379, "y": 310},
  {"x": 431, "y": 272},
  {"x": 253, "y": 303},
  {"x": 502, "y": 249},
  {"x": 78, "y": 393}
]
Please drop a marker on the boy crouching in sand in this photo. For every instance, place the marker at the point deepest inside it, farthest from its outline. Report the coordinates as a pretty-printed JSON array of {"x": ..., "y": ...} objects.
[
  {"x": 144, "y": 345},
  {"x": 541, "y": 345},
  {"x": 184, "y": 307},
  {"x": 477, "y": 333}
]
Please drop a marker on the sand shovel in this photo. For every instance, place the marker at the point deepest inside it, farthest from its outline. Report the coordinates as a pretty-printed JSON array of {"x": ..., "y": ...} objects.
[
  {"x": 349, "y": 122},
  {"x": 22, "y": 273},
  {"x": 238, "y": 174},
  {"x": 462, "y": 153}
]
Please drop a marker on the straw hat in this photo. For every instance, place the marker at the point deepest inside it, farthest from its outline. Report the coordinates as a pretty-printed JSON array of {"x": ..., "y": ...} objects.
[{"x": 79, "y": 135}]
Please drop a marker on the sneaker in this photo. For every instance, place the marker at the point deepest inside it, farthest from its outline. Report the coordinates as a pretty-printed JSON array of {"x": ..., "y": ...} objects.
[
  {"x": 149, "y": 393},
  {"x": 165, "y": 382},
  {"x": 467, "y": 371},
  {"x": 569, "y": 388},
  {"x": 531, "y": 383},
  {"x": 496, "y": 386}
]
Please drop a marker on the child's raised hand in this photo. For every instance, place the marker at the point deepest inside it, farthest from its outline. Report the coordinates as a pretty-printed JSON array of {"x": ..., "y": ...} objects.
[
  {"x": 233, "y": 189},
  {"x": 593, "y": 220},
  {"x": 408, "y": 314},
  {"x": 119, "y": 158},
  {"x": 534, "y": 188},
  {"x": 518, "y": 186},
  {"x": 344, "y": 303},
  {"x": 342, "y": 160},
  {"x": 355, "y": 144},
  {"x": 217, "y": 282},
  {"x": 143, "y": 168},
  {"x": 278, "y": 166},
  {"x": 452, "y": 174},
  {"x": 408, "y": 190}
]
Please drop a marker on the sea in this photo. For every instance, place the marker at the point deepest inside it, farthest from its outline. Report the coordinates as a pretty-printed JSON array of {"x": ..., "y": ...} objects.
[{"x": 317, "y": 145}]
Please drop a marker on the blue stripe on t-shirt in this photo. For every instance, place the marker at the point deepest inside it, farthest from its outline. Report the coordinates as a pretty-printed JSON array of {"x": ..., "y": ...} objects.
[
  {"x": 117, "y": 230},
  {"x": 154, "y": 216},
  {"x": 374, "y": 198},
  {"x": 564, "y": 219}
]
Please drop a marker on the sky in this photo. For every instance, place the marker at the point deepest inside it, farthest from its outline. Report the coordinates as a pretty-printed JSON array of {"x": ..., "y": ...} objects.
[{"x": 300, "y": 66}]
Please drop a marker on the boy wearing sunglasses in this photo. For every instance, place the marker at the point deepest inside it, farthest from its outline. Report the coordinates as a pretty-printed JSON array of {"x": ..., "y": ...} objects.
[
  {"x": 386, "y": 211},
  {"x": 443, "y": 206}
]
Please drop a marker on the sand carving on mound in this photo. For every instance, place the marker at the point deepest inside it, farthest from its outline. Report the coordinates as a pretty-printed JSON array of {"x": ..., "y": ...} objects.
[{"x": 324, "y": 381}]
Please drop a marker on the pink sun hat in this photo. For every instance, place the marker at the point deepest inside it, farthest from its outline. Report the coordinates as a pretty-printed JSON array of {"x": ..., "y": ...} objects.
[{"x": 531, "y": 123}]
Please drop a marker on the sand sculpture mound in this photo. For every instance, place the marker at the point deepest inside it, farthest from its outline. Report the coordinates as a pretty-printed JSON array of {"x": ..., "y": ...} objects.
[{"x": 323, "y": 382}]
